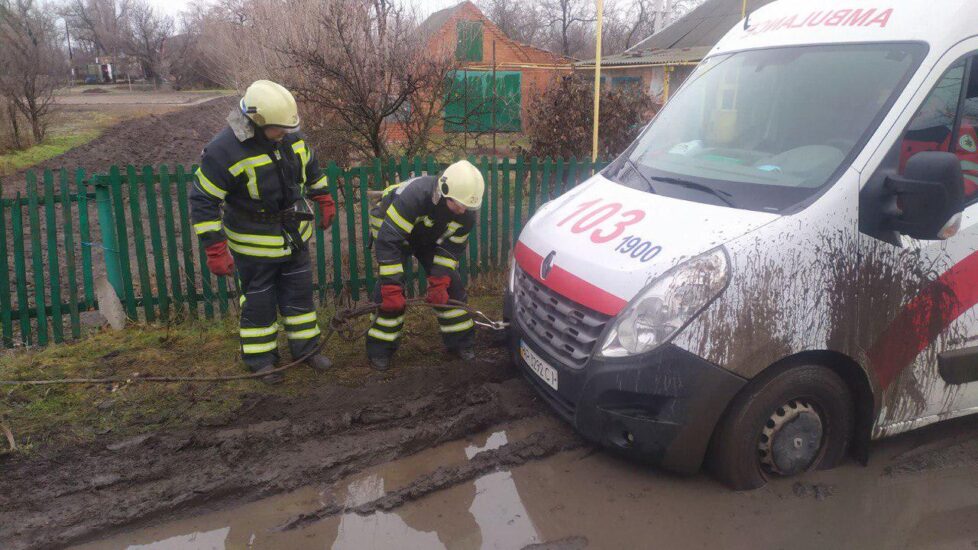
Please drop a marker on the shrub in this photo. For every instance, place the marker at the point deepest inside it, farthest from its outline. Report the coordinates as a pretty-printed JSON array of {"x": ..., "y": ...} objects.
[{"x": 559, "y": 121}]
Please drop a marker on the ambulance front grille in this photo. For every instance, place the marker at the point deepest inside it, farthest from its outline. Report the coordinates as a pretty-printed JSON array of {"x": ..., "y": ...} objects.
[{"x": 566, "y": 330}]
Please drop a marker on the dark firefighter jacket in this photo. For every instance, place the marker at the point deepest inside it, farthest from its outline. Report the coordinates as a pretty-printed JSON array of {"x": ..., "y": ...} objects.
[
  {"x": 254, "y": 179},
  {"x": 409, "y": 220}
]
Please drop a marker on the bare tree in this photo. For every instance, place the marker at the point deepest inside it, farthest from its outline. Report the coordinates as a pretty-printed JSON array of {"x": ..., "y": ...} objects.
[
  {"x": 101, "y": 25},
  {"x": 230, "y": 28},
  {"x": 146, "y": 34},
  {"x": 183, "y": 60},
  {"x": 626, "y": 24},
  {"x": 31, "y": 63},
  {"x": 363, "y": 64},
  {"x": 521, "y": 21},
  {"x": 570, "y": 23}
]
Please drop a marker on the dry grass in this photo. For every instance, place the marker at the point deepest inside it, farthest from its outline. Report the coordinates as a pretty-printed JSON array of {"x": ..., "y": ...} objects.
[{"x": 47, "y": 416}]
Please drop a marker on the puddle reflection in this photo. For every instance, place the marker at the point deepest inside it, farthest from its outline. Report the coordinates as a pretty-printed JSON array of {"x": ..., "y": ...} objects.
[
  {"x": 486, "y": 513},
  {"x": 919, "y": 491},
  {"x": 209, "y": 540}
]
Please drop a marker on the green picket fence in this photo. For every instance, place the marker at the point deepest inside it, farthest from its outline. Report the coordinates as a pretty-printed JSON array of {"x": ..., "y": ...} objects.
[{"x": 64, "y": 232}]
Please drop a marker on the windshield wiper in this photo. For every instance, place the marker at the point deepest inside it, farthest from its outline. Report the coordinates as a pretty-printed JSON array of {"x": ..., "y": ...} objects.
[
  {"x": 722, "y": 195},
  {"x": 645, "y": 178}
]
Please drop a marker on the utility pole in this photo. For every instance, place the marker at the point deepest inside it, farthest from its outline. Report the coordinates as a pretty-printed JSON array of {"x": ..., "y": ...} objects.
[
  {"x": 494, "y": 98},
  {"x": 597, "y": 84},
  {"x": 71, "y": 57}
]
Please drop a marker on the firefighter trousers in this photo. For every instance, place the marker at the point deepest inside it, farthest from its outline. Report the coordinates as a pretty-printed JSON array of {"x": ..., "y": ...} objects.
[
  {"x": 456, "y": 325},
  {"x": 269, "y": 289}
]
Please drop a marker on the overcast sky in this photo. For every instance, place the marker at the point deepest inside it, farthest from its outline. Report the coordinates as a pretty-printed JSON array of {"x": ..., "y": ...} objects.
[{"x": 426, "y": 7}]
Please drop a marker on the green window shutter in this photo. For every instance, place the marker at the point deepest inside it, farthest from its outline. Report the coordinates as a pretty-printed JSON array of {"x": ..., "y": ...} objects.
[
  {"x": 468, "y": 46},
  {"x": 469, "y": 101}
]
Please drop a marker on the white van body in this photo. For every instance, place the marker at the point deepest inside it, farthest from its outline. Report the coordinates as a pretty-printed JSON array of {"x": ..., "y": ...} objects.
[{"x": 805, "y": 283}]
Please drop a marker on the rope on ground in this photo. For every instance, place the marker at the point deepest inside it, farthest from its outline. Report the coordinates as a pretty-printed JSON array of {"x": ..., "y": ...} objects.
[
  {"x": 338, "y": 325},
  {"x": 10, "y": 436}
]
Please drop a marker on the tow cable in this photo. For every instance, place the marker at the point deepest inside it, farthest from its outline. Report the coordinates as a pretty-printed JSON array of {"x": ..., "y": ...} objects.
[{"x": 339, "y": 325}]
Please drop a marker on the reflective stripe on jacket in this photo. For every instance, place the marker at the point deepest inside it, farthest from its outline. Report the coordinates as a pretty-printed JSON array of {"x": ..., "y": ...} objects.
[
  {"x": 237, "y": 178},
  {"x": 409, "y": 219}
]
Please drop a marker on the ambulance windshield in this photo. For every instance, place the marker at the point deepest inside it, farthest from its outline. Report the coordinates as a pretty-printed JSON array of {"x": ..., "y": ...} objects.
[{"x": 767, "y": 129}]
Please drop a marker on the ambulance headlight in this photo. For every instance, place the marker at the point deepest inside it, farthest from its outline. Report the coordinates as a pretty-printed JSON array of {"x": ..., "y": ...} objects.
[{"x": 667, "y": 305}]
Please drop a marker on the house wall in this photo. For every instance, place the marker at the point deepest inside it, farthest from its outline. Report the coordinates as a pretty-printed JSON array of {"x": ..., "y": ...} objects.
[
  {"x": 652, "y": 78},
  {"x": 510, "y": 55}
]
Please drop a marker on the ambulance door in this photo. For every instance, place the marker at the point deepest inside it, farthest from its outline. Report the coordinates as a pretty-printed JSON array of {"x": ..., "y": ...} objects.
[{"x": 924, "y": 350}]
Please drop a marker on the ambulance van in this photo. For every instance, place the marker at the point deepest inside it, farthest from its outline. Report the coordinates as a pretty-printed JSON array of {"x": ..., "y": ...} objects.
[{"x": 783, "y": 266}]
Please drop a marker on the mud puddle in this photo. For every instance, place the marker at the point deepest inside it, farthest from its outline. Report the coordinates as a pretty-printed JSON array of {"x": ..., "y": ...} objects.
[
  {"x": 272, "y": 446},
  {"x": 485, "y": 512},
  {"x": 919, "y": 491}
]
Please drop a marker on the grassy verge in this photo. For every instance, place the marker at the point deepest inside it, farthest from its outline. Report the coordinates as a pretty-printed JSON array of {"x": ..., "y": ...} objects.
[
  {"x": 68, "y": 130},
  {"x": 52, "y": 416}
]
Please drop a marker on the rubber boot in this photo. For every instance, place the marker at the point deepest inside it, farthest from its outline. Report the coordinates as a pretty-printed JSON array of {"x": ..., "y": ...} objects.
[
  {"x": 380, "y": 363},
  {"x": 273, "y": 378},
  {"x": 319, "y": 363}
]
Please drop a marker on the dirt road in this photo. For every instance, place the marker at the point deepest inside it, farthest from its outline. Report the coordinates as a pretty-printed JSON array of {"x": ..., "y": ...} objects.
[
  {"x": 919, "y": 491},
  {"x": 173, "y": 137},
  {"x": 462, "y": 456},
  {"x": 269, "y": 446}
]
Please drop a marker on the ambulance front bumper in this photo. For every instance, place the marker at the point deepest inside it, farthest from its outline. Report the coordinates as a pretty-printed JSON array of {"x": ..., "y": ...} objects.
[{"x": 660, "y": 407}]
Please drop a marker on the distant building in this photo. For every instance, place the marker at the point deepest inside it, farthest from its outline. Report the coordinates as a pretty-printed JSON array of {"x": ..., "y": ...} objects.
[
  {"x": 661, "y": 62},
  {"x": 521, "y": 70}
]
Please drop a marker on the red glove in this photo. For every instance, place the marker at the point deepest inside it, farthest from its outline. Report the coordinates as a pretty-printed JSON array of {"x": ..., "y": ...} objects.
[
  {"x": 393, "y": 298},
  {"x": 438, "y": 290},
  {"x": 219, "y": 259},
  {"x": 327, "y": 208}
]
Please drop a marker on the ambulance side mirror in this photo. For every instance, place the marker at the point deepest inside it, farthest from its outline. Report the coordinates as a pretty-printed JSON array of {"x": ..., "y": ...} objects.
[{"x": 926, "y": 201}]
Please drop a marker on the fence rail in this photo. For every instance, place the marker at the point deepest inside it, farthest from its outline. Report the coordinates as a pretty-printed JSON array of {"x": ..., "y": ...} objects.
[{"x": 132, "y": 226}]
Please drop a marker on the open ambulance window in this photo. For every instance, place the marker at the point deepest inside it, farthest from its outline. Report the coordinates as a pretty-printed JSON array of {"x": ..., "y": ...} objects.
[{"x": 947, "y": 121}]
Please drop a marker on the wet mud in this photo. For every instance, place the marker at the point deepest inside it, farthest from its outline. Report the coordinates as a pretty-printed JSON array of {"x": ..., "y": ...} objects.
[
  {"x": 270, "y": 446},
  {"x": 536, "y": 446},
  {"x": 918, "y": 491},
  {"x": 884, "y": 307}
]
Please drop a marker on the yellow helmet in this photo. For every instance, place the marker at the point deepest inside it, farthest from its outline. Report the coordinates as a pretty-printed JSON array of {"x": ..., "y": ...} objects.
[
  {"x": 269, "y": 104},
  {"x": 463, "y": 182}
]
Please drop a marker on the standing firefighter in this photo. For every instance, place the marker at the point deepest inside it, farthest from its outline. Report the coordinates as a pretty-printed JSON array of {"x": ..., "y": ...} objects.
[
  {"x": 430, "y": 218},
  {"x": 261, "y": 170}
]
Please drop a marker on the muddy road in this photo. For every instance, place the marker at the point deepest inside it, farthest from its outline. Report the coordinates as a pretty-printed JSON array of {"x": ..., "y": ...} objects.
[
  {"x": 462, "y": 456},
  {"x": 919, "y": 491},
  {"x": 173, "y": 137},
  {"x": 269, "y": 446}
]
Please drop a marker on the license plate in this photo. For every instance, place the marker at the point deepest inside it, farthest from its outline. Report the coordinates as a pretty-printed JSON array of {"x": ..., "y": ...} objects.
[{"x": 546, "y": 373}]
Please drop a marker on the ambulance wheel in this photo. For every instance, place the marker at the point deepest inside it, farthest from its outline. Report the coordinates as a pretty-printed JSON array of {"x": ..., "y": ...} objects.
[{"x": 784, "y": 423}]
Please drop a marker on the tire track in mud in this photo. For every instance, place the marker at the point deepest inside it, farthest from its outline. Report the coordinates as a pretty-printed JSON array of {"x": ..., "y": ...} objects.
[
  {"x": 81, "y": 493},
  {"x": 534, "y": 447}
]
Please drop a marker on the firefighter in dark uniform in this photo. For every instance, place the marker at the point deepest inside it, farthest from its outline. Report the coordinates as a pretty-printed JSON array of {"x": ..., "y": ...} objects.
[
  {"x": 430, "y": 218},
  {"x": 249, "y": 208}
]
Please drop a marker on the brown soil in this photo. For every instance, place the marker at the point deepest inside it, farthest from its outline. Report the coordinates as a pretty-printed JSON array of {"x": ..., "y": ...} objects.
[
  {"x": 172, "y": 138},
  {"x": 269, "y": 446}
]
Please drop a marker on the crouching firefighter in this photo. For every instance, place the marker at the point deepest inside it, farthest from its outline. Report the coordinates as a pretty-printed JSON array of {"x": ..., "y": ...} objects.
[
  {"x": 429, "y": 217},
  {"x": 259, "y": 171}
]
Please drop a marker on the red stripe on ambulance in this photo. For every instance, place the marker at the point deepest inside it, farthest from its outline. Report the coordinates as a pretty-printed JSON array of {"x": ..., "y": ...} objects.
[
  {"x": 923, "y": 319},
  {"x": 567, "y": 284}
]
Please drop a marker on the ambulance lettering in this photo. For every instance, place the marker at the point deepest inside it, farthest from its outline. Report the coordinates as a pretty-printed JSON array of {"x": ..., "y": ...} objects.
[
  {"x": 830, "y": 18},
  {"x": 608, "y": 223}
]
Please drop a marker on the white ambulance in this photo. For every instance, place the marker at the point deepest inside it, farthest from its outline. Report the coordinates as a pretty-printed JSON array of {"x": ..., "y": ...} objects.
[{"x": 784, "y": 265}]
